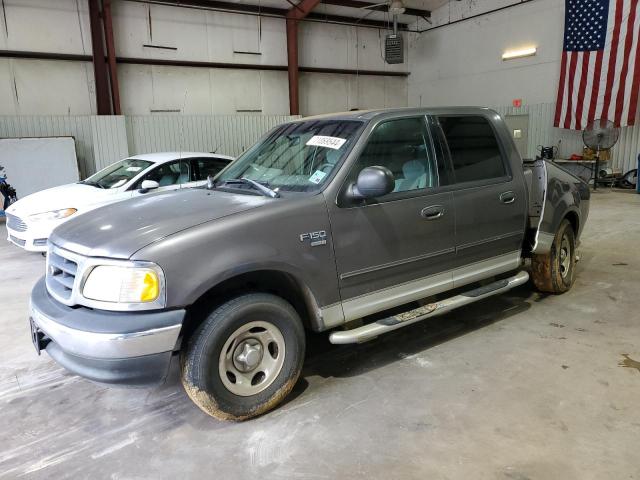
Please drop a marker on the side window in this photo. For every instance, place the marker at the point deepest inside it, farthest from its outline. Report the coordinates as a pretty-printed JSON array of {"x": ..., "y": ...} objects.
[
  {"x": 172, "y": 173},
  {"x": 474, "y": 149},
  {"x": 402, "y": 146},
  {"x": 207, "y": 166}
]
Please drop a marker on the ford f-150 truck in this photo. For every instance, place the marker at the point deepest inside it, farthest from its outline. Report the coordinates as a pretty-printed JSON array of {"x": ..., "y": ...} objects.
[{"x": 357, "y": 224}]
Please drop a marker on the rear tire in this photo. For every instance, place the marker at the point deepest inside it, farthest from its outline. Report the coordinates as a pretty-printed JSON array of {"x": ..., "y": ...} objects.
[
  {"x": 554, "y": 272},
  {"x": 245, "y": 358}
]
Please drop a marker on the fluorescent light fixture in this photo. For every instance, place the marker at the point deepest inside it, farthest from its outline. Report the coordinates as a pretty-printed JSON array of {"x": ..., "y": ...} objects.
[{"x": 522, "y": 52}]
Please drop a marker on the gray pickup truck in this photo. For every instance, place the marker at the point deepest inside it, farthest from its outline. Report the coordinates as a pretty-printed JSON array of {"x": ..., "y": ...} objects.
[{"x": 357, "y": 224}]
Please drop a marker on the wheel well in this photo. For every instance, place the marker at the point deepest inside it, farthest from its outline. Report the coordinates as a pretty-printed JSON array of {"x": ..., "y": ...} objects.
[
  {"x": 573, "y": 220},
  {"x": 278, "y": 283}
]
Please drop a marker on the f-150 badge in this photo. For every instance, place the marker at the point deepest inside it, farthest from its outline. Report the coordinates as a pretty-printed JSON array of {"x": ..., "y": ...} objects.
[{"x": 314, "y": 238}]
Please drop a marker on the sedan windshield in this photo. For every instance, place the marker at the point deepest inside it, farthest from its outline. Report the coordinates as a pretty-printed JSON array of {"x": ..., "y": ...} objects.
[
  {"x": 117, "y": 174},
  {"x": 294, "y": 157}
]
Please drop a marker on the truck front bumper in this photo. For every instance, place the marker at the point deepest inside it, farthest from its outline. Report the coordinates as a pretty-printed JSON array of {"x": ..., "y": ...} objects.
[{"x": 131, "y": 348}]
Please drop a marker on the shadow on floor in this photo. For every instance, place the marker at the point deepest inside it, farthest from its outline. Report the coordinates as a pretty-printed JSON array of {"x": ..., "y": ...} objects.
[{"x": 341, "y": 361}]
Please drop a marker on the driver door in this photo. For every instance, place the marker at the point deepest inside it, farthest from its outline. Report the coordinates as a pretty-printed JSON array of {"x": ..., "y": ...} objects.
[{"x": 400, "y": 247}]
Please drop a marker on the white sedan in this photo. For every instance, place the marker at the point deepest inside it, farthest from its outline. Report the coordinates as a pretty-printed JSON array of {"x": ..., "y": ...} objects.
[{"x": 31, "y": 219}]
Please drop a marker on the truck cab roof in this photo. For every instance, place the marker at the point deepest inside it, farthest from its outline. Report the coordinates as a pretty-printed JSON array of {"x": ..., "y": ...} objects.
[{"x": 367, "y": 115}]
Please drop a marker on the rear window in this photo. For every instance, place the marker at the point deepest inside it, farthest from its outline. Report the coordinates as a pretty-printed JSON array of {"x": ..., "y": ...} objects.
[{"x": 474, "y": 149}]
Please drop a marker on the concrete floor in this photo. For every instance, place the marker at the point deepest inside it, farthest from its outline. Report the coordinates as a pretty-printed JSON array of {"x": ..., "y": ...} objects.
[{"x": 517, "y": 387}]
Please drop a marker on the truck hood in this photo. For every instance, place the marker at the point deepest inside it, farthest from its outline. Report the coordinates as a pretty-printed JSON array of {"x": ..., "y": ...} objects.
[
  {"x": 74, "y": 195},
  {"x": 121, "y": 229}
]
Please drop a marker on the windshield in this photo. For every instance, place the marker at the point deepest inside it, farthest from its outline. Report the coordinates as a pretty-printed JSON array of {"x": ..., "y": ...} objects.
[
  {"x": 295, "y": 157},
  {"x": 118, "y": 174}
]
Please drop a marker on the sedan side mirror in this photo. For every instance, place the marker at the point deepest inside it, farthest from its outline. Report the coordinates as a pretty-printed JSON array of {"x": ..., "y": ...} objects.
[
  {"x": 148, "y": 185},
  {"x": 372, "y": 182}
]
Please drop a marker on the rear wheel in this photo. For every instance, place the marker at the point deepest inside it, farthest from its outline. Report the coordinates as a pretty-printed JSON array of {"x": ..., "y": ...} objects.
[
  {"x": 554, "y": 272},
  {"x": 245, "y": 358}
]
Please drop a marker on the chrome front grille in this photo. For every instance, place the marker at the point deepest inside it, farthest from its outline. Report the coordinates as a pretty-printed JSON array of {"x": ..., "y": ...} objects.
[
  {"x": 62, "y": 269},
  {"x": 16, "y": 223}
]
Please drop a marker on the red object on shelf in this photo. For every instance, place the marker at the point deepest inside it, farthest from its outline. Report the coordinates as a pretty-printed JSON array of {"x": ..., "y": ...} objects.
[
  {"x": 517, "y": 102},
  {"x": 576, "y": 157}
]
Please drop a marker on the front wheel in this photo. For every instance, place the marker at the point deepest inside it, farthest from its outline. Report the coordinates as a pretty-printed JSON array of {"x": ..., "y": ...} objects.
[
  {"x": 554, "y": 272},
  {"x": 245, "y": 358}
]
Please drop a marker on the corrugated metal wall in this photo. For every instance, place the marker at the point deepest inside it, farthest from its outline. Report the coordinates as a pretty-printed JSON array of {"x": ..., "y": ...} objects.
[
  {"x": 109, "y": 140},
  {"x": 227, "y": 134},
  {"x": 542, "y": 132},
  {"x": 102, "y": 140}
]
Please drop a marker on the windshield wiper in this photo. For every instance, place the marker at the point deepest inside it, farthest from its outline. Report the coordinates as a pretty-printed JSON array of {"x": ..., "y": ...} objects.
[{"x": 266, "y": 191}]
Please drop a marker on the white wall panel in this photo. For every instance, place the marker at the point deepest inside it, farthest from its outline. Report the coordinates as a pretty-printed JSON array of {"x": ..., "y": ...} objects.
[
  {"x": 246, "y": 33},
  {"x": 236, "y": 90},
  {"x": 325, "y": 45},
  {"x": 323, "y": 93},
  {"x": 46, "y": 26},
  {"x": 275, "y": 93},
  {"x": 462, "y": 64},
  {"x": 181, "y": 89},
  {"x": 131, "y": 29},
  {"x": 7, "y": 88},
  {"x": 51, "y": 87},
  {"x": 184, "y": 29},
  {"x": 274, "y": 41}
]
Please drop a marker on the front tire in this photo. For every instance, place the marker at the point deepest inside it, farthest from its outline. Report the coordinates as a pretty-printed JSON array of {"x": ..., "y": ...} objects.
[
  {"x": 245, "y": 358},
  {"x": 554, "y": 272}
]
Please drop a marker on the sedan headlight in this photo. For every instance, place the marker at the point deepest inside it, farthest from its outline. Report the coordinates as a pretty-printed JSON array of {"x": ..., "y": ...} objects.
[
  {"x": 125, "y": 285},
  {"x": 54, "y": 214}
]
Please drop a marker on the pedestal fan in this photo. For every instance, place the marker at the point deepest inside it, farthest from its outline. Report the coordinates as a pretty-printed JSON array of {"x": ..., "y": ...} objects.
[{"x": 600, "y": 135}]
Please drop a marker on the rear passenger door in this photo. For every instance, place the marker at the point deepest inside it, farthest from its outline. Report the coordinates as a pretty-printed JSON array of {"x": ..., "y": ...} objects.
[{"x": 489, "y": 199}]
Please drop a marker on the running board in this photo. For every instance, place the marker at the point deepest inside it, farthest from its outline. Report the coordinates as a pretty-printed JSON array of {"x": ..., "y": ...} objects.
[{"x": 389, "y": 324}]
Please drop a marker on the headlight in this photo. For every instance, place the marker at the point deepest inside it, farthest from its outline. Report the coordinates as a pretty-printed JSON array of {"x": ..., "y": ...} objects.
[
  {"x": 125, "y": 284},
  {"x": 54, "y": 214}
]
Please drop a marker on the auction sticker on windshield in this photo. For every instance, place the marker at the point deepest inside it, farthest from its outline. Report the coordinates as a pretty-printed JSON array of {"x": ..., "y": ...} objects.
[{"x": 328, "y": 142}]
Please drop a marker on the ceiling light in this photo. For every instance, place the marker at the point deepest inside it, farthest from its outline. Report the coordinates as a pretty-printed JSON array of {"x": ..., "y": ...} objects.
[{"x": 522, "y": 52}]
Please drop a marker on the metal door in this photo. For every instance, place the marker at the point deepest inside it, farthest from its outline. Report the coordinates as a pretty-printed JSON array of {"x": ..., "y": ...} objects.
[{"x": 519, "y": 129}]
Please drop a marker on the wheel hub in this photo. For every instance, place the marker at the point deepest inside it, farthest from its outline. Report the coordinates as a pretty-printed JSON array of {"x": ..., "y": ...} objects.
[
  {"x": 247, "y": 355},
  {"x": 565, "y": 257},
  {"x": 251, "y": 358}
]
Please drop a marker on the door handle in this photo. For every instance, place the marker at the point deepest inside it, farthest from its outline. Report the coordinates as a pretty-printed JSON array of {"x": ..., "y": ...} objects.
[
  {"x": 507, "y": 197},
  {"x": 433, "y": 212}
]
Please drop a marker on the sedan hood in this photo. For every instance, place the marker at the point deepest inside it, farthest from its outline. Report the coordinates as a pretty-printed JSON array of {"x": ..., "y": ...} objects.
[
  {"x": 74, "y": 195},
  {"x": 121, "y": 229}
]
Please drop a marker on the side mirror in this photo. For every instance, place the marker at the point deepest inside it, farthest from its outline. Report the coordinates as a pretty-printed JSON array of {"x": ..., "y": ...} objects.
[
  {"x": 372, "y": 182},
  {"x": 148, "y": 185}
]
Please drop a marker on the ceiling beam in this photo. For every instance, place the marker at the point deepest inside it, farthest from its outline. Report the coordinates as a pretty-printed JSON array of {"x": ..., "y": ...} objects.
[
  {"x": 248, "y": 9},
  {"x": 416, "y": 12}
]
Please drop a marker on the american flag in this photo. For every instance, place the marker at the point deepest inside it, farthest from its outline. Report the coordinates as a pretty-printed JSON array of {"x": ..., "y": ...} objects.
[{"x": 600, "y": 73}]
